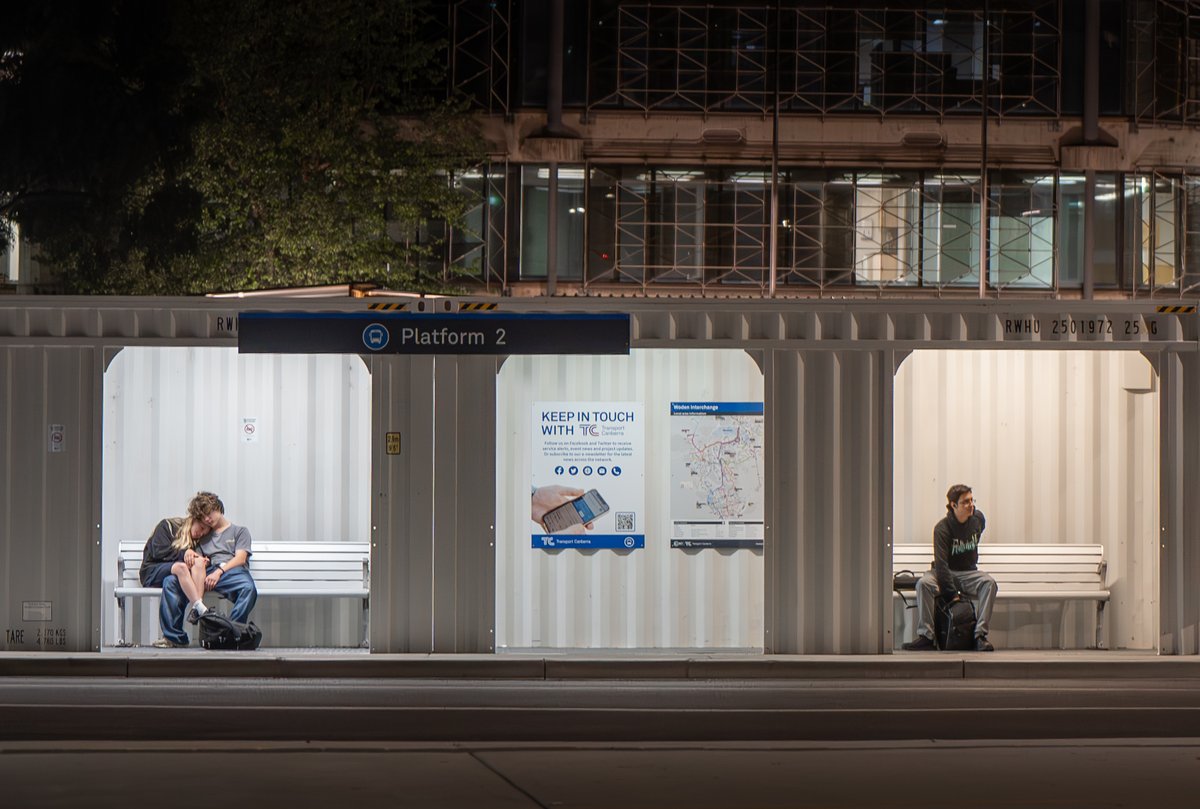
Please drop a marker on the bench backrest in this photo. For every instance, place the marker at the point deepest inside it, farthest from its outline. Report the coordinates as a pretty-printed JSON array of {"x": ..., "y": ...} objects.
[
  {"x": 281, "y": 565},
  {"x": 1023, "y": 567}
]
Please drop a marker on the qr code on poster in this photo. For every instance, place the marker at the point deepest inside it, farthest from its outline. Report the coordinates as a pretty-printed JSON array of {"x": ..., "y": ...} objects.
[{"x": 624, "y": 520}]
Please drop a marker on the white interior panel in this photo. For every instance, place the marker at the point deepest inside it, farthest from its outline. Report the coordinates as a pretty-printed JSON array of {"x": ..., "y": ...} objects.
[
  {"x": 656, "y": 597},
  {"x": 175, "y": 422},
  {"x": 1059, "y": 446}
]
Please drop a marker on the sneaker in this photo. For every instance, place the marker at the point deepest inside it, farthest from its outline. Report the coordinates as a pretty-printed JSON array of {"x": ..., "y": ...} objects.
[
  {"x": 193, "y": 617},
  {"x": 920, "y": 644},
  {"x": 165, "y": 643},
  {"x": 982, "y": 644}
]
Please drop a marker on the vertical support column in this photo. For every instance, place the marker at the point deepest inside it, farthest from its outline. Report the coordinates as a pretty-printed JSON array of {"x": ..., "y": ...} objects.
[
  {"x": 829, "y": 473},
  {"x": 402, "y": 504},
  {"x": 1179, "y": 535},
  {"x": 464, "y": 471}
]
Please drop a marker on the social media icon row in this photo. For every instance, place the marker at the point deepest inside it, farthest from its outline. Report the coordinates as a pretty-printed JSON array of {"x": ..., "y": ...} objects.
[{"x": 588, "y": 471}]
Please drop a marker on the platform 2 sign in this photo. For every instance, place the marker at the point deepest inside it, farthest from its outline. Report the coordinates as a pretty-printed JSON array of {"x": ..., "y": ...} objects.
[{"x": 405, "y": 333}]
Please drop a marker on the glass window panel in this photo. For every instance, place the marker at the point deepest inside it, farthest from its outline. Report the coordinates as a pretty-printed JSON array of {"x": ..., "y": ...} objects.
[
  {"x": 1166, "y": 191},
  {"x": 1021, "y": 230},
  {"x": 535, "y": 190},
  {"x": 887, "y": 209},
  {"x": 1071, "y": 235},
  {"x": 466, "y": 247},
  {"x": 950, "y": 230},
  {"x": 1191, "y": 238},
  {"x": 1151, "y": 209}
]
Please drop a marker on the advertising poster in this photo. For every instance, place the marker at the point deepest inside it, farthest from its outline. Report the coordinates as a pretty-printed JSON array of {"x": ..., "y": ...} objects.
[
  {"x": 717, "y": 475},
  {"x": 588, "y": 486}
]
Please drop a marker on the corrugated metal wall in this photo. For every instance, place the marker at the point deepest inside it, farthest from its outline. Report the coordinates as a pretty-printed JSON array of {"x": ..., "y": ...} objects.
[
  {"x": 174, "y": 423},
  {"x": 1179, "y": 549},
  {"x": 656, "y": 597},
  {"x": 433, "y": 511},
  {"x": 827, "y": 444},
  {"x": 1059, "y": 447},
  {"x": 49, "y": 556}
]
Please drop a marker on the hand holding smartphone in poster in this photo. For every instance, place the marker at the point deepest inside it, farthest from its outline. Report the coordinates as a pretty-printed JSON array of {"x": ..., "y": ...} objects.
[{"x": 580, "y": 511}]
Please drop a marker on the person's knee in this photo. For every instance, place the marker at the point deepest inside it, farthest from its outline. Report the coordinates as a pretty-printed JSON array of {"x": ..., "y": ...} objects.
[{"x": 179, "y": 570}]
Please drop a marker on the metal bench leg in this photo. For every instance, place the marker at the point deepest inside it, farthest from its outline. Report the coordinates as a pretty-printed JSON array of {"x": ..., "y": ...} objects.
[
  {"x": 366, "y": 624},
  {"x": 121, "y": 634},
  {"x": 1099, "y": 624}
]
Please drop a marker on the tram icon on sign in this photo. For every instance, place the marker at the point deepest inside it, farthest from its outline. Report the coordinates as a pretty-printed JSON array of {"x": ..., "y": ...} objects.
[{"x": 375, "y": 336}]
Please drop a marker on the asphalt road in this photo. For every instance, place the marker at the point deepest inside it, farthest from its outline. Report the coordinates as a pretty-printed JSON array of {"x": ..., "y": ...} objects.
[
  {"x": 1162, "y": 774},
  {"x": 414, "y": 710}
]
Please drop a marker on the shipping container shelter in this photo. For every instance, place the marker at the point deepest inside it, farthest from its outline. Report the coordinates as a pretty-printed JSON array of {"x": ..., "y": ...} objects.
[{"x": 1075, "y": 422}]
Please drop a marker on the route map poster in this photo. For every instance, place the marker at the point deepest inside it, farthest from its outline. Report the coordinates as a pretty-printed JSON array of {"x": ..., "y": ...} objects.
[
  {"x": 589, "y": 463},
  {"x": 717, "y": 475}
]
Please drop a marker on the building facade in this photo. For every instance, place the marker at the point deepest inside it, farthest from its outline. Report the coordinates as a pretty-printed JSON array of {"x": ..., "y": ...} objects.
[{"x": 816, "y": 149}]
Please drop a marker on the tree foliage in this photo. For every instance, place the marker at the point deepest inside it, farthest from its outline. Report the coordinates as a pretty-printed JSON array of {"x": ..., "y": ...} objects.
[{"x": 230, "y": 144}]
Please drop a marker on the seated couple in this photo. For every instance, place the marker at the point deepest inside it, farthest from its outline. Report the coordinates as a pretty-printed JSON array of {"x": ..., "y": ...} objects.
[{"x": 191, "y": 555}]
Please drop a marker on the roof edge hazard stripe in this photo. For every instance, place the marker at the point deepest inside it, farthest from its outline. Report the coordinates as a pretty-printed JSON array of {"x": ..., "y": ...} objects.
[
  {"x": 476, "y": 307},
  {"x": 388, "y": 307},
  {"x": 1176, "y": 310}
]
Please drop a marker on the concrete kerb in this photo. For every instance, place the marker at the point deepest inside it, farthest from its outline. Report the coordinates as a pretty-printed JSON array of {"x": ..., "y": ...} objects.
[{"x": 932, "y": 666}]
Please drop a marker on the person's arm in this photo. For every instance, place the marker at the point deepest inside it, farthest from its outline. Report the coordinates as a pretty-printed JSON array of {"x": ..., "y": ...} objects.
[
  {"x": 941, "y": 565},
  {"x": 240, "y": 558}
]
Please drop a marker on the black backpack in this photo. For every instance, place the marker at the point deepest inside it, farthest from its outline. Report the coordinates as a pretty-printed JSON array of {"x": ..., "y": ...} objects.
[
  {"x": 954, "y": 625},
  {"x": 219, "y": 632}
]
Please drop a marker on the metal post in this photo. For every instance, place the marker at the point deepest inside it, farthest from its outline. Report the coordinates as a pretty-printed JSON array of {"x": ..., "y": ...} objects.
[
  {"x": 774, "y": 232},
  {"x": 552, "y": 230},
  {"x": 554, "y": 71},
  {"x": 1089, "y": 235},
  {"x": 1091, "y": 137},
  {"x": 983, "y": 154}
]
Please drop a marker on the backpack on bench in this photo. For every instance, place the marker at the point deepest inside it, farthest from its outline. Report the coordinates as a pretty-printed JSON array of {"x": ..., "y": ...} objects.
[{"x": 219, "y": 632}]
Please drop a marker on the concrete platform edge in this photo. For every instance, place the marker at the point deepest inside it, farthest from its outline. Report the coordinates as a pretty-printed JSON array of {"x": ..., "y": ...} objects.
[{"x": 171, "y": 663}]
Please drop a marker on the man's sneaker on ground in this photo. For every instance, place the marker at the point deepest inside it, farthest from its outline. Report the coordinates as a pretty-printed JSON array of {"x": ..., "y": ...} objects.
[
  {"x": 921, "y": 644},
  {"x": 193, "y": 617},
  {"x": 982, "y": 644},
  {"x": 164, "y": 643}
]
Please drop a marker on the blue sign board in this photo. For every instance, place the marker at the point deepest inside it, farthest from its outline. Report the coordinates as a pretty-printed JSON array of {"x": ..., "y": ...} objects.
[
  {"x": 625, "y": 541},
  {"x": 405, "y": 333}
]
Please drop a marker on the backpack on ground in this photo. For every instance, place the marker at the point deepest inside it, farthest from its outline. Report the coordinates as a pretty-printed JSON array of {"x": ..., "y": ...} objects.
[
  {"x": 954, "y": 625},
  {"x": 220, "y": 632}
]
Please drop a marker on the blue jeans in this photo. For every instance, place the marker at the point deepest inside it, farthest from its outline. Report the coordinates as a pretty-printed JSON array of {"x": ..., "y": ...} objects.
[{"x": 237, "y": 585}]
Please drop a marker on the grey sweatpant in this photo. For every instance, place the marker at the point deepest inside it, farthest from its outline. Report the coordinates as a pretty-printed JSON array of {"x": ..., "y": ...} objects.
[{"x": 977, "y": 585}]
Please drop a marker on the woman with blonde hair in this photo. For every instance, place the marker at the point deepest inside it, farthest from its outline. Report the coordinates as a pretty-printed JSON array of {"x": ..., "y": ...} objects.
[{"x": 171, "y": 551}]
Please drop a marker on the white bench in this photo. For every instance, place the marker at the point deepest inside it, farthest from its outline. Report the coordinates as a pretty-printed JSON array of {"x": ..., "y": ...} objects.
[
  {"x": 1032, "y": 572},
  {"x": 295, "y": 569}
]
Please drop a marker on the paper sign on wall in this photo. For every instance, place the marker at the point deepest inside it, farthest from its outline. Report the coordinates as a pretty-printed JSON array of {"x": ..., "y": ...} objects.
[
  {"x": 56, "y": 438},
  {"x": 717, "y": 475},
  {"x": 588, "y": 475},
  {"x": 249, "y": 430}
]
